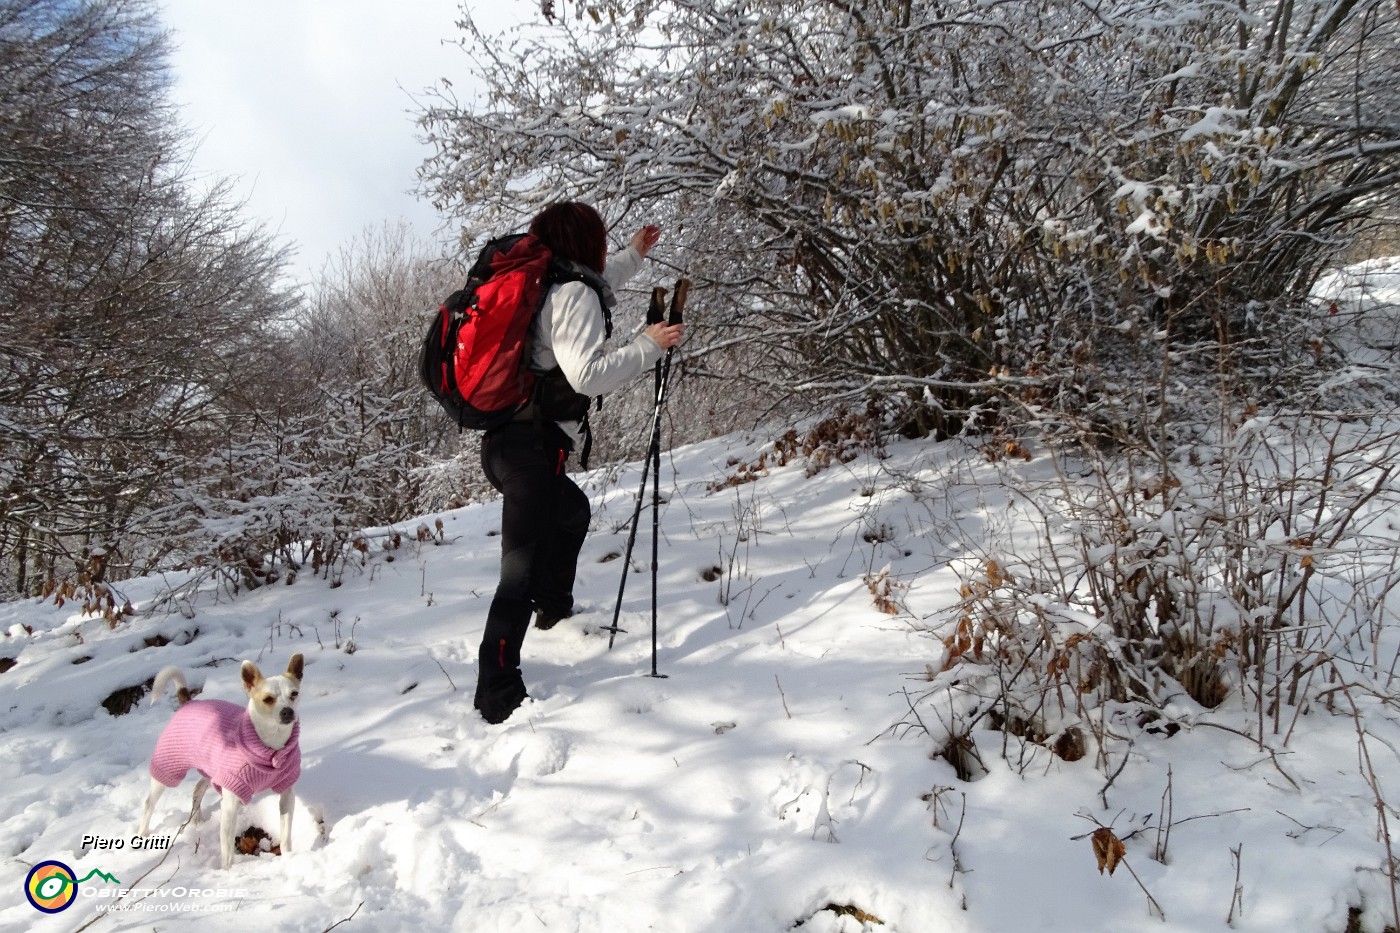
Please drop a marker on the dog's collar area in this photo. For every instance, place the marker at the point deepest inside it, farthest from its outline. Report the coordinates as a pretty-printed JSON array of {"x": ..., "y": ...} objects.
[{"x": 259, "y": 752}]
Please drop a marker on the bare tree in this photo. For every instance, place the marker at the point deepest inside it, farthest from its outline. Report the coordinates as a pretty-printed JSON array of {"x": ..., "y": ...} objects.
[
  {"x": 367, "y": 317},
  {"x": 339, "y": 434},
  {"x": 127, "y": 304},
  {"x": 362, "y": 332}
]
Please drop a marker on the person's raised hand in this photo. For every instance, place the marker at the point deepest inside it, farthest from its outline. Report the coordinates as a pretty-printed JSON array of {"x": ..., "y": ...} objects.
[{"x": 644, "y": 239}]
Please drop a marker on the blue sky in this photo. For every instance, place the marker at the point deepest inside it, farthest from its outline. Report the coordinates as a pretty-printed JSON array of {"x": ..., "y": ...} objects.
[{"x": 308, "y": 105}]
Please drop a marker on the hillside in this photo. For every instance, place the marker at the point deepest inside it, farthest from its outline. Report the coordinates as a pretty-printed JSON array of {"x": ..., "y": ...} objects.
[{"x": 785, "y": 771}]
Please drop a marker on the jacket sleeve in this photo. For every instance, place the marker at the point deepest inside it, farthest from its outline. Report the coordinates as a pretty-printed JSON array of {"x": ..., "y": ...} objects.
[
  {"x": 578, "y": 340},
  {"x": 622, "y": 266}
]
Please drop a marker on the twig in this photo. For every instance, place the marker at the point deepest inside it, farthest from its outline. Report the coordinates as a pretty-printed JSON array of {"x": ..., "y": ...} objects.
[
  {"x": 783, "y": 695},
  {"x": 1334, "y": 830},
  {"x": 1164, "y": 826},
  {"x": 346, "y": 920},
  {"x": 1211, "y": 816},
  {"x": 1382, "y": 809},
  {"x": 1151, "y": 901},
  {"x": 1237, "y": 900},
  {"x": 1185, "y": 819},
  {"x": 444, "y": 673},
  {"x": 106, "y": 913},
  {"x": 133, "y": 885},
  {"x": 953, "y": 844},
  {"x": 1273, "y": 755},
  {"x": 1103, "y": 793},
  {"x": 893, "y": 728},
  {"x": 480, "y": 813}
]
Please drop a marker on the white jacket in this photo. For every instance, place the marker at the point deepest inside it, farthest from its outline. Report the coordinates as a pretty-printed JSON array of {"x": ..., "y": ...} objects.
[{"x": 569, "y": 333}]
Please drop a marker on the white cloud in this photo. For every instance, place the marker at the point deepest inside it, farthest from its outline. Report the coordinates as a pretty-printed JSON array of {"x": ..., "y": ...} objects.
[{"x": 307, "y": 103}]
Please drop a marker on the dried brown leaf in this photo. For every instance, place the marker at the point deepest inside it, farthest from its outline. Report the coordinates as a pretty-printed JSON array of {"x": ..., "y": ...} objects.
[{"x": 1108, "y": 849}]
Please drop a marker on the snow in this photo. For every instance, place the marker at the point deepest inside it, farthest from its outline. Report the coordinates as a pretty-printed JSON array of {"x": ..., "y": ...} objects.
[
  {"x": 1216, "y": 121},
  {"x": 1146, "y": 222},
  {"x": 1361, "y": 304},
  {"x": 773, "y": 775}
]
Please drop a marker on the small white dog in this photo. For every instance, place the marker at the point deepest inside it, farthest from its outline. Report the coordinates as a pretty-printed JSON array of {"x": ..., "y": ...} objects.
[{"x": 241, "y": 752}]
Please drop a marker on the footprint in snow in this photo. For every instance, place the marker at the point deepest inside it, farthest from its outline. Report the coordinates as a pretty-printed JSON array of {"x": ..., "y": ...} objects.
[{"x": 543, "y": 754}]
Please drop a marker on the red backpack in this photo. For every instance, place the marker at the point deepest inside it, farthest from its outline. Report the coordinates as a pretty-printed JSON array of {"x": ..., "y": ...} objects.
[{"x": 476, "y": 353}]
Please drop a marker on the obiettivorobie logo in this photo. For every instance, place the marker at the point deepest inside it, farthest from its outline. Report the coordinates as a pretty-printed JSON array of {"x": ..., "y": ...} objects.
[{"x": 52, "y": 886}]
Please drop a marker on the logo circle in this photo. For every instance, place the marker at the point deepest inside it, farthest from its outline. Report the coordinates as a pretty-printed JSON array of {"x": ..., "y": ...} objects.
[{"x": 51, "y": 886}]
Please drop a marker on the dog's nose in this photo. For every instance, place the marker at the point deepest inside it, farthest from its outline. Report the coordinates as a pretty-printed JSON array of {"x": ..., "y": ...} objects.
[{"x": 287, "y": 715}]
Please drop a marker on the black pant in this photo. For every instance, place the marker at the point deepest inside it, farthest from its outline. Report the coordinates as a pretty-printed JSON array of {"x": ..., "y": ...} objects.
[{"x": 544, "y": 518}]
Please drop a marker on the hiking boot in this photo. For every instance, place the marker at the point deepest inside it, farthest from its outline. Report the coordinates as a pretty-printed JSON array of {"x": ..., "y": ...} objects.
[
  {"x": 545, "y": 620},
  {"x": 497, "y": 699}
]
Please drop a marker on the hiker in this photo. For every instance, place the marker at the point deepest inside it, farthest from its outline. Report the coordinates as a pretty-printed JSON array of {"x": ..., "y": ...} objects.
[{"x": 544, "y": 515}]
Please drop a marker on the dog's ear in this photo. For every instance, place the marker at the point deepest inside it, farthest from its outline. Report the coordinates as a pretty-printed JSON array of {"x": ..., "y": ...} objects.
[
  {"x": 295, "y": 667},
  {"x": 251, "y": 675}
]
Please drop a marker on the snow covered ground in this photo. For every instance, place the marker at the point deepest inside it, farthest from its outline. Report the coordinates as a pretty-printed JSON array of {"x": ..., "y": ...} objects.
[
  {"x": 1363, "y": 301},
  {"x": 772, "y": 780}
]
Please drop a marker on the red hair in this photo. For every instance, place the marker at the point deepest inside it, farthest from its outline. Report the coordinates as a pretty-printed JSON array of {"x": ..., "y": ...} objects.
[{"x": 573, "y": 230}]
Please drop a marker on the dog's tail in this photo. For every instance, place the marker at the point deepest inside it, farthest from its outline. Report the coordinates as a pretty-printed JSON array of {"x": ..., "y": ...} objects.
[{"x": 166, "y": 676}]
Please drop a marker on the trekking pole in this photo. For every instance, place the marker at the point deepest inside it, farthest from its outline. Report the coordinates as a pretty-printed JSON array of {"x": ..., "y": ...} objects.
[
  {"x": 653, "y": 458},
  {"x": 656, "y": 312},
  {"x": 663, "y": 377}
]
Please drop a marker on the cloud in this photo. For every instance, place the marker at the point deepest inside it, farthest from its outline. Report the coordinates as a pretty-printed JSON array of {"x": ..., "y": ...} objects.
[{"x": 308, "y": 105}]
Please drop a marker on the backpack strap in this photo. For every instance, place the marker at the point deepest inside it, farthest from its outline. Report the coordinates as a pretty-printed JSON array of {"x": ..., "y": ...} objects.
[
  {"x": 566, "y": 270},
  {"x": 586, "y": 430}
]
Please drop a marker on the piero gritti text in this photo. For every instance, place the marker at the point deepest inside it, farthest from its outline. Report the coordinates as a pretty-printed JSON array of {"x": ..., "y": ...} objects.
[{"x": 136, "y": 842}]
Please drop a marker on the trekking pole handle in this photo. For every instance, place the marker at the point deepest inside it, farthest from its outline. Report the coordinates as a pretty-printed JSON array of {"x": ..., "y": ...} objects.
[
  {"x": 656, "y": 311},
  {"x": 678, "y": 298}
]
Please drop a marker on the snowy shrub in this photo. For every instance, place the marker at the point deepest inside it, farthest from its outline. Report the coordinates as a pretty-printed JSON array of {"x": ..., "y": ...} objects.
[
  {"x": 1252, "y": 568},
  {"x": 956, "y": 201},
  {"x": 1240, "y": 579},
  {"x": 840, "y": 437},
  {"x": 293, "y": 495},
  {"x": 452, "y": 483}
]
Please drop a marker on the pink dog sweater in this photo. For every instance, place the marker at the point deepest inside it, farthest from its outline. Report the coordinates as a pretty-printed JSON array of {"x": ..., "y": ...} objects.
[{"x": 217, "y": 739}]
